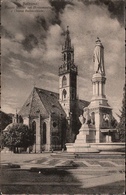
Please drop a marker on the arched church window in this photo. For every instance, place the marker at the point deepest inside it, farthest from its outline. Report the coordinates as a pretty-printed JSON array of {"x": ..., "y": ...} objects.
[
  {"x": 34, "y": 130},
  {"x": 44, "y": 133},
  {"x": 64, "y": 81},
  {"x": 64, "y": 94},
  {"x": 69, "y": 57}
]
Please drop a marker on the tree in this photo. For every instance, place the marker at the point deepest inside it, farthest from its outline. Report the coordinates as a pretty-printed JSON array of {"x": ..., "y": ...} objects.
[
  {"x": 6, "y": 119},
  {"x": 121, "y": 124},
  {"x": 17, "y": 135}
]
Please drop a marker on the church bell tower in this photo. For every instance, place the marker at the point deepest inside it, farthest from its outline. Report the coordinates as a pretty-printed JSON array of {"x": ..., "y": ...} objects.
[{"x": 68, "y": 77}]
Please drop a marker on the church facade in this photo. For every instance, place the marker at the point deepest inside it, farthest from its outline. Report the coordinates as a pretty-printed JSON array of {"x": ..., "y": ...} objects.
[{"x": 53, "y": 117}]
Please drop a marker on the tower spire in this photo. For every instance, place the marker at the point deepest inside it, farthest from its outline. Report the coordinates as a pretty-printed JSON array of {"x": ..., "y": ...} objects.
[
  {"x": 67, "y": 55},
  {"x": 67, "y": 39}
]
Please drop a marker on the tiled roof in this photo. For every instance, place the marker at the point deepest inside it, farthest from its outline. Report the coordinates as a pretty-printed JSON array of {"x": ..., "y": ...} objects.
[
  {"x": 25, "y": 110},
  {"x": 50, "y": 101},
  {"x": 46, "y": 102},
  {"x": 42, "y": 102}
]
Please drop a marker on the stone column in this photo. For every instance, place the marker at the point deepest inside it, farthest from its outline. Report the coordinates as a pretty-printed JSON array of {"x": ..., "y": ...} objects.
[
  {"x": 93, "y": 88},
  {"x": 100, "y": 88},
  {"x": 96, "y": 88}
]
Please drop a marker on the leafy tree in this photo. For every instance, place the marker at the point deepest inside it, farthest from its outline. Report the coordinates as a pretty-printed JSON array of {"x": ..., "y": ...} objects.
[
  {"x": 17, "y": 135},
  {"x": 121, "y": 124},
  {"x": 6, "y": 119}
]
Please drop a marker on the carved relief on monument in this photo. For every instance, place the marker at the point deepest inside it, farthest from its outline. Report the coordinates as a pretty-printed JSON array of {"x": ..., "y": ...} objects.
[{"x": 105, "y": 120}]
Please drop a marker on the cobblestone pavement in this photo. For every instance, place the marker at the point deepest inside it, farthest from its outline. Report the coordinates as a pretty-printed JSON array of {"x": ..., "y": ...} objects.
[
  {"x": 91, "y": 172},
  {"x": 46, "y": 159}
]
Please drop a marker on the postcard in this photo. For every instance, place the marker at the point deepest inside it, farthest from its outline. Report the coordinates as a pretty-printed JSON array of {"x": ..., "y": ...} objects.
[{"x": 63, "y": 96}]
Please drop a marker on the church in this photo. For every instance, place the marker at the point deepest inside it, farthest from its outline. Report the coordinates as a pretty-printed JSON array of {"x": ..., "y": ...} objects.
[{"x": 54, "y": 117}]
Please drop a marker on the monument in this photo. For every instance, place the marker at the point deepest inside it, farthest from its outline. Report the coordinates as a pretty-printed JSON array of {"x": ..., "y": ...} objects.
[{"x": 96, "y": 132}]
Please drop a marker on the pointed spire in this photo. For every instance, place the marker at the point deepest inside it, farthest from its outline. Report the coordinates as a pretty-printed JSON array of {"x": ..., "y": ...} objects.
[{"x": 67, "y": 40}]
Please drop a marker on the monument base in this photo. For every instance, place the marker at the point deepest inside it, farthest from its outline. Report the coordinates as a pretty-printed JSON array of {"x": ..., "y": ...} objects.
[
  {"x": 111, "y": 147},
  {"x": 85, "y": 136},
  {"x": 82, "y": 148}
]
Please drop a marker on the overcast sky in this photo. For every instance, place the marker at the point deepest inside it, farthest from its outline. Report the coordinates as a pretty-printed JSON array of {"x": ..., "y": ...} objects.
[{"x": 32, "y": 44}]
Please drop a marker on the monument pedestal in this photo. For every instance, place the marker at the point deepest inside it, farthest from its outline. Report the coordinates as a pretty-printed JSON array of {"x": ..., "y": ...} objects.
[{"x": 82, "y": 141}]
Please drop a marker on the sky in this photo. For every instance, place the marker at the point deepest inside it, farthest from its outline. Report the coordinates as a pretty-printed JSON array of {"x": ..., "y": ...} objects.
[{"x": 32, "y": 42}]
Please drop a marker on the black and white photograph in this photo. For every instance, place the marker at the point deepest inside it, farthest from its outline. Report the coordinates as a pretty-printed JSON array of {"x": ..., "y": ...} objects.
[{"x": 62, "y": 97}]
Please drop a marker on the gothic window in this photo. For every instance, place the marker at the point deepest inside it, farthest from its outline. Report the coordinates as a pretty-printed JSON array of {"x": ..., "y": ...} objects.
[
  {"x": 64, "y": 94},
  {"x": 34, "y": 130},
  {"x": 69, "y": 57},
  {"x": 44, "y": 133},
  {"x": 64, "y": 81}
]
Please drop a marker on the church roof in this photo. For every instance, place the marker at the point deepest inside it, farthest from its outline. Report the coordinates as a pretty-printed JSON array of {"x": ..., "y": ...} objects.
[
  {"x": 42, "y": 102},
  {"x": 46, "y": 102},
  {"x": 25, "y": 110},
  {"x": 50, "y": 101}
]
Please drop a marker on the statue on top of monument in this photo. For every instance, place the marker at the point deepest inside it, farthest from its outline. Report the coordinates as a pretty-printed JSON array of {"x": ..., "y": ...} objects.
[{"x": 98, "y": 57}]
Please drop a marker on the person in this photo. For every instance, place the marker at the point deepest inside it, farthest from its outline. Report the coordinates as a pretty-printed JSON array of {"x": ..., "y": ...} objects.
[{"x": 98, "y": 57}]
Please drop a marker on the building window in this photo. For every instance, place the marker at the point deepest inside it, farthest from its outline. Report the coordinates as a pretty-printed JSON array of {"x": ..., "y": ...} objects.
[
  {"x": 34, "y": 130},
  {"x": 54, "y": 124},
  {"x": 64, "y": 81},
  {"x": 69, "y": 57},
  {"x": 44, "y": 133},
  {"x": 64, "y": 94}
]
